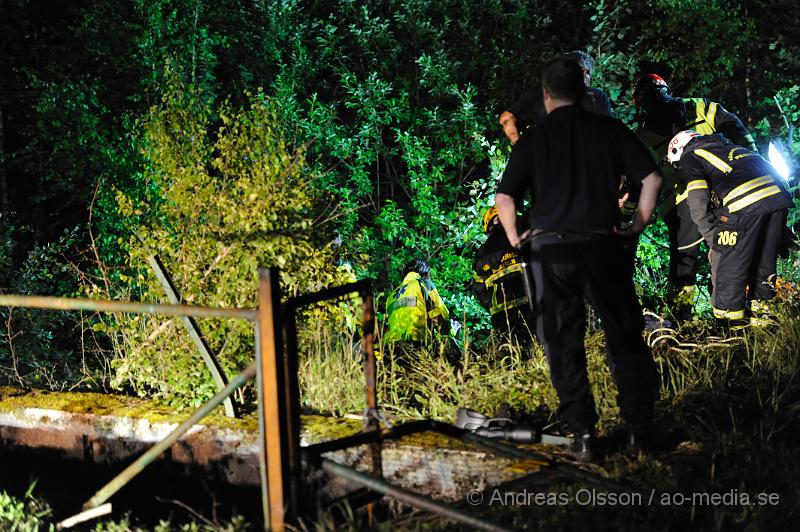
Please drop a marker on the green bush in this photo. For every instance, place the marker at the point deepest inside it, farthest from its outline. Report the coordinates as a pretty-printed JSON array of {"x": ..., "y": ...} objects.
[{"x": 225, "y": 195}]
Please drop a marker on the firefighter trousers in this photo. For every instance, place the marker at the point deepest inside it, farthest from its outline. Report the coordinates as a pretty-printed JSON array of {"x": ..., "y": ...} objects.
[
  {"x": 743, "y": 260},
  {"x": 684, "y": 245},
  {"x": 565, "y": 271}
]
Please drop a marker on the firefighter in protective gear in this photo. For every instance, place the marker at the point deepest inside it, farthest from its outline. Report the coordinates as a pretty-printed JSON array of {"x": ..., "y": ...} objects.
[
  {"x": 498, "y": 282},
  {"x": 739, "y": 204},
  {"x": 664, "y": 116},
  {"x": 415, "y": 309}
]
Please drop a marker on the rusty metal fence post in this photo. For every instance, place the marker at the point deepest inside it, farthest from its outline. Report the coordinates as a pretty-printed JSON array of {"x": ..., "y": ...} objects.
[
  {"x": 370, "y": 365},
  {"x": 374, "y": 450},
  {"x": 277, "y": 410}
]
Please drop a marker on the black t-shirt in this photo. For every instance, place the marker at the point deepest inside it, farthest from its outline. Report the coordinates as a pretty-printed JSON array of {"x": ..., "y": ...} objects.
[{"x": 572, "y": 164}]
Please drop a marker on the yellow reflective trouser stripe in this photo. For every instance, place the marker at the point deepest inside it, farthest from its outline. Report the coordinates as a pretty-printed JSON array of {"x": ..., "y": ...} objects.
[
  {"x": 402, "y": 303},
  {"x": 728, "y": 314},
  {"x": 720, "y": 165},
  {"x": 502, "y": 273},
  {"x": 696, "y": 184},
  {"x": 508, "y": 305},
  {"x": 754, "y": 197},
  {"x": 746, "y": 187},
  {"x": 682, "y": 196}
]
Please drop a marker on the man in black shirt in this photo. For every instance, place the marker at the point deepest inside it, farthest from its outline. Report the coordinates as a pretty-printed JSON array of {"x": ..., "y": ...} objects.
[{"x": 571, "y": 164}]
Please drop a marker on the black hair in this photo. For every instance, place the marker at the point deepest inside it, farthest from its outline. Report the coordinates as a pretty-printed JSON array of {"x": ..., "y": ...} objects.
[
  {"x": 563, "y": 79},
  {"x": 416, "y": 265},
  {"x": 583, "y": 58}
]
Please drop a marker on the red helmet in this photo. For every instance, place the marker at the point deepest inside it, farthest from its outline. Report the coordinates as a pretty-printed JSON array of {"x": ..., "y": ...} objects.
[{"x": 647, "y": 87}]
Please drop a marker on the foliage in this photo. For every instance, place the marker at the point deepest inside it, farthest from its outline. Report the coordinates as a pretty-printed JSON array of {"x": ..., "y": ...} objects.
[
  {"x": 397, "y": 124},
  {"x": 221, "y": 202},
  {"x": 37, "y": 347},
  {"x": 394, "y": 103},
  {"x": 28, "y": 514}
]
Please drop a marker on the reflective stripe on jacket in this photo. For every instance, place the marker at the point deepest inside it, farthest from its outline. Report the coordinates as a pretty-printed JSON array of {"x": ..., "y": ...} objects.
[
  {"x": 705, "y": 117},
  {"x": 742, "y": 182},
  {"x": 411, "y": 306}
]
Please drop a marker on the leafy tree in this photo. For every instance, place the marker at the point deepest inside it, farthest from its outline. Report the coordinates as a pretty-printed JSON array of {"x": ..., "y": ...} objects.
[{"x": 223, "y": 198}]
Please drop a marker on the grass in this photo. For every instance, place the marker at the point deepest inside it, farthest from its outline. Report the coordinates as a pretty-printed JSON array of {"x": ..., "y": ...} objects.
[{"x": 727, "y": 420}]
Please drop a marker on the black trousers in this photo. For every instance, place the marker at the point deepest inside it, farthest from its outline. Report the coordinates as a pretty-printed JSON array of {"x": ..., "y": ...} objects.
[
  {"x": 743, "y": 257},
  {"x": 565, "y": 271},
  {"x": 516, "y": 324},
  {"x": 684, "y": 245}
]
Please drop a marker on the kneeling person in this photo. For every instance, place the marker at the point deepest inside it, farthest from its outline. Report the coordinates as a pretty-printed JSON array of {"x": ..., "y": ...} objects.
[
  {"x": 499, "y": 285},
  {"x": 740, "y": 205}
]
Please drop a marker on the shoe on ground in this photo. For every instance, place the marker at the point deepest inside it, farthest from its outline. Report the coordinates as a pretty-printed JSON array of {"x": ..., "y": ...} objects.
[
  {"x": 761, "y": 321},
  {"x": 637, "y": 442},
  {"x": 582, "y": 447}
]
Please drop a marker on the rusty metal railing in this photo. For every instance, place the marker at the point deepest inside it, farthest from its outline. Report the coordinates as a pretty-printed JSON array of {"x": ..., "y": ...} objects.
[{"x": 275, "y": 370}]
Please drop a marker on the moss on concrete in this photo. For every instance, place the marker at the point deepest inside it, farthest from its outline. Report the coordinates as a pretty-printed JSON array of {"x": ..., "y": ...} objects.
[
  {"x": 322, "y": 428},
  {"x": 436, "y": 440},
  {"x": 101, "y": 404},
  {"x": 318, "y": 428}
]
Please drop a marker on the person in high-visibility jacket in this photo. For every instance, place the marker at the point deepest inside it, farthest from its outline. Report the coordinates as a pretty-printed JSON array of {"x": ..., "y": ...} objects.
[
  {"x": 498, "y": 282},
  {"x": 739, "y": 204},
  {"x": 664, "y": 116},
  {"x": 415, "y": 308}
]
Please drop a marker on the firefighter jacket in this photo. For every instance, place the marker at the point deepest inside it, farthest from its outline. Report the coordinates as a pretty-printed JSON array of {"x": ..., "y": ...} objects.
[
  {"x": 701, "y": 115},
  {"x": 498, "y": 282},
  {"x": 724, "y": 181},
  {"x": 412, "y": 307}
]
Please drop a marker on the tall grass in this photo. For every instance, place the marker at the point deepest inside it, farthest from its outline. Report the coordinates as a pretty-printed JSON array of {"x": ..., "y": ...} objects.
[{"x": 728, "y": 416}]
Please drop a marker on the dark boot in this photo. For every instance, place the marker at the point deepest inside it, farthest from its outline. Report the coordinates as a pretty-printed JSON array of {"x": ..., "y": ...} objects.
[
  {"x": 638, "y": 441},
  {"x": 582, "y": 447}
]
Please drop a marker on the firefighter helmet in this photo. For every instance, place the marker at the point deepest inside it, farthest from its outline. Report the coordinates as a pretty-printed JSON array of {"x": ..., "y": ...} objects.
[
  {"x": 677, "y": 144},
  {"x": 416, "y": 265},
  {"x": 489, "y": 217},
  {"x": 648, "y": 89}
]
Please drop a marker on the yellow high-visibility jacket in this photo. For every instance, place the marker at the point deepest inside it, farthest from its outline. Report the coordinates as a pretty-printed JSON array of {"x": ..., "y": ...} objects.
[{"x": 411, "y": 308}]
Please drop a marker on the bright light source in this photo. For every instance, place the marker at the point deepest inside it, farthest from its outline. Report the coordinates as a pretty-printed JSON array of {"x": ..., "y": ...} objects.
[{"x": 778, "y": 161}]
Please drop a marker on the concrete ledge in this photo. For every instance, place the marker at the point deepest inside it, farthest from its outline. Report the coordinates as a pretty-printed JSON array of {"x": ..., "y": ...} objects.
[{"x": 226, "y": 449}]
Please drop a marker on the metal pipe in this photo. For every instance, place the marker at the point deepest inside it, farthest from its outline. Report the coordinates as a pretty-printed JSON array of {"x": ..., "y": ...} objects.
[
  {"x": 272, "y": 407},
  {"x": 374, "y": 450},
  {"x": 208, "y": 356},
  {"x": 330, "y": 293},
  {"x": 66, "y": 303},
  {"x": 370, "y": 367},
  {"x": 290, "y": 422},
  {"x": 409, "y": 497},
  {"x": 398, "y": 431},
  {"x": 104, "y": 493}
]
